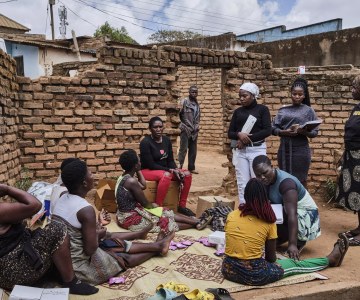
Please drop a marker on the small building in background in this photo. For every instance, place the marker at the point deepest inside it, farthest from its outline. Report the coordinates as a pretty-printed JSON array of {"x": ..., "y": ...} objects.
[{"x": 280, "y": 33}]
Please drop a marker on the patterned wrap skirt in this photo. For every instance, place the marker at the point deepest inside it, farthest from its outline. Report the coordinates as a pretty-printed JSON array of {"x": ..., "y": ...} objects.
[
  {"x": 138, "y": 219},
  {"x": 251, "y": 271},
  {"x": 15, "y": 268},
  {"x": 348, "y": 189},
  {"x": 94, "y": 269}
]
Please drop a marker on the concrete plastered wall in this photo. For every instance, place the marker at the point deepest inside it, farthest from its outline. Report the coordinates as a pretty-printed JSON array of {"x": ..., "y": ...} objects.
[{"x": 331, "y": 48}]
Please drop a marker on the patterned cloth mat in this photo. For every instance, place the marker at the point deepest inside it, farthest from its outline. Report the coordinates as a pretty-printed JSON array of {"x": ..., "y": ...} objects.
[{"x": 195, "y": 266}]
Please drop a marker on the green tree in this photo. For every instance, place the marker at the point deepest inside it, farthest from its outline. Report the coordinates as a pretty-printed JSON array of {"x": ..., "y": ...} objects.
[
  {"x": 115, "y": 34},
  {"x": 164, "y": 36}
]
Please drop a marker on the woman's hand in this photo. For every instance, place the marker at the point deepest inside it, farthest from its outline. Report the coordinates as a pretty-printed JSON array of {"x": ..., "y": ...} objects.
[
  {"x": 179, "y": 175},
  {"x": 101, "y": 231},
  {"x": 288, "y": 132},
  {"x": 4, "y": 190},
  {"x": 244, "y": 138},
  {"x": 293, "y": 252},
  {"x": 240, "y": 145}
]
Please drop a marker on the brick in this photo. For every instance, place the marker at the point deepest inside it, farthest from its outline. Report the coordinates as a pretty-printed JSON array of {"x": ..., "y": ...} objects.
[
  {"x": 95, "y": 147},
  {"x": 76, "y": 148},
  {"x": 63, "y": 112},
  {"x": 63, "y": 127},
  {"x": 32, "y": 120},
  {"x": 53, "y": 135},
  {"x": 122, "y": 112},
  {"x": 74, "y": 134},
  {"x": 55, "y": 89},
  {"x": 122, "y": 126},
  {"x": 103, "y": 112},
  {"x": 83, "y": 112}
]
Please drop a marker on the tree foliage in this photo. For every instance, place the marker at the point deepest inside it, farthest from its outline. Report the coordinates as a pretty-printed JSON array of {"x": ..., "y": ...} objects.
[
  {"x": 115, "y": 34},
  {"x": 164, "y": 36}
]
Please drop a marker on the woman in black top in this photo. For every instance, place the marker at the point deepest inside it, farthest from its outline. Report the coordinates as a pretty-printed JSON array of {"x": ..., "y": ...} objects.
[
  {"x": 348, "y": 191},
  {"x": 249, "y": 126},
  {"x": 157, "y": 163}
]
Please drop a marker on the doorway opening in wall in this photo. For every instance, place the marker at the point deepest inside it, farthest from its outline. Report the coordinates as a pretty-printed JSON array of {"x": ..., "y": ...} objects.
[
  {"x": 19, "y": 65},
  {"x": 210, "y": 157}
]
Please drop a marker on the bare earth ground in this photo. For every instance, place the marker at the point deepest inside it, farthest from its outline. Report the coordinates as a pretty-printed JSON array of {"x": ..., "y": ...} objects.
[{"x": 333, "y": 221}]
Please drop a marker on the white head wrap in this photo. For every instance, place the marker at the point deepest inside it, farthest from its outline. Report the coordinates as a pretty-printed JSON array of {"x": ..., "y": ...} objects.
[{"x": 251, "y": 88}]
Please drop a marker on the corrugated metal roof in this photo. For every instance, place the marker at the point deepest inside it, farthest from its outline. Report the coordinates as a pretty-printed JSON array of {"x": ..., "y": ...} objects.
[{"x": 8, "y": 23}]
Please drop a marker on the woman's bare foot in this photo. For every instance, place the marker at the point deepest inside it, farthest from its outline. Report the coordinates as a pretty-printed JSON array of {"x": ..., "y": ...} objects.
[
  {"x": 104, "y": 217},
  {"x": 338, "y": 253},
  {"x": 161, "y": 235},
  {"x": 144, "y": 232},
  {"x": 165, "y": 243}
]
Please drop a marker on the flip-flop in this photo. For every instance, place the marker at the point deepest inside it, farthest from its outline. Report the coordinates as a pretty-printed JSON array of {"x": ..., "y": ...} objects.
[
  {"x": 205, "y": 242},
  {"x": 349, "y": 233},
  {"x": 344, "y": 244},
  {"x": 220, "y": 294},
  {"x": 199, "y": 295},
  {"x": 354, "y": 241},
  {"x": 163, "y": 294},
  {"x": 177, "y": 287},
  {"x": 187, "y": 243}
]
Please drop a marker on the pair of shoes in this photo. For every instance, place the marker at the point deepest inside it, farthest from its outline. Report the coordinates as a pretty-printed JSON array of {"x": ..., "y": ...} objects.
[
  {"x": 185, "y": 211},
  {"x": 204, "y": 222},
  {"x": 177, "y": 287},
  {"x": 343, "y": 242},
  {"x": 163, "y": 294},
  {"x": 180, "y": 245},
  {"x": 220, "y": 294},
  {"x": 194, "y": 172}
]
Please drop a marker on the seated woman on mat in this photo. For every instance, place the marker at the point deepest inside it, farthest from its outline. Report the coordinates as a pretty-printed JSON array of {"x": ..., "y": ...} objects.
[
  {"x": 60, "y": 189},
  {"x": 157, "y": 162},
  {"x": 301, "y": 215},
  {"x": 89, "y": 261},
  {"x": 25, "y": 255},
  {"x": 250, "y": 229},
  {"x": 135, "y": 212}
]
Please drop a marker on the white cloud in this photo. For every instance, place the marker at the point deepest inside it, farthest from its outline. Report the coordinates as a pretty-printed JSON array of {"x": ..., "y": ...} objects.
[{"x": 210, "y": 17}]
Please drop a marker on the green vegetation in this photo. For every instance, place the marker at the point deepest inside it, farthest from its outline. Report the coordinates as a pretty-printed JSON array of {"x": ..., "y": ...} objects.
[
  {"x": 24, "y": 182},
  {"x": 165, "y": 36},
  {"x": 330, "y": 189},
  {"x": 117, "y": 35}
]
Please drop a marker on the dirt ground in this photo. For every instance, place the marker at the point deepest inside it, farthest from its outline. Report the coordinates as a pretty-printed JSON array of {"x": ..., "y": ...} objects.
[{"x": 333, "y": 221}]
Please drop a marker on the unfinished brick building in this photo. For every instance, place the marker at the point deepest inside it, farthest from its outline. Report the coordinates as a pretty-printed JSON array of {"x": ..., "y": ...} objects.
[{"x": 105, "y": 109}]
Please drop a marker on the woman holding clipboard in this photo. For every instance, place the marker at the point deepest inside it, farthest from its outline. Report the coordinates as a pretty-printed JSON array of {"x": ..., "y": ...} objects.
[{"x": 296, "y": 123}]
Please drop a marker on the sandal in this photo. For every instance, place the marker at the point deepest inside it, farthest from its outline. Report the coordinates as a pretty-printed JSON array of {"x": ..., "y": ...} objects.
[
  {"x": 354, "y": 241},
  {"x": 343, "y": 243},
  {"x": 204, "y": 222},
  {"x": 199, "y": 295},
  {"x": 163, "y": 294},
  {"x": 349, "y": 233},
  {"x": 220, "y": 294},
  {"x": 177, "y": 287}
]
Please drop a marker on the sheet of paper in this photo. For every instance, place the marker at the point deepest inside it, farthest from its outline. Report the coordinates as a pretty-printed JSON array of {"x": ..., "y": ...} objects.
[
  {"x": 21, "y": 292},
  {"x": 55, "y": 294},
  {"x": 278, "y": 210}
]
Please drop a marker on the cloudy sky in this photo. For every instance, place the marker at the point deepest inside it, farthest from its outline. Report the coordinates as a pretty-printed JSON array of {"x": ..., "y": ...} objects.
[{"x": 210, "y": 17}]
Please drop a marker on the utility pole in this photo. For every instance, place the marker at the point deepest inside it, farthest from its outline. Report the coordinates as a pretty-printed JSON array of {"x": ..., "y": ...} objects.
[{"x": 52, "y": 2}]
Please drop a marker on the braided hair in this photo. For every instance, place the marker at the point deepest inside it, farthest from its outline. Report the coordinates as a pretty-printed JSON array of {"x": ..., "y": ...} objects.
[
  {"x": 128, "y": 159},
  {"x": 302, "y": 83},
  {"x": 257, "y": 202},
  {"x": 73, "y": 175}
]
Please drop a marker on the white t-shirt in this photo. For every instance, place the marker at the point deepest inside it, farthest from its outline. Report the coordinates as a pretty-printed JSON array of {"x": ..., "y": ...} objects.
[{"x": 67, "y": 207}]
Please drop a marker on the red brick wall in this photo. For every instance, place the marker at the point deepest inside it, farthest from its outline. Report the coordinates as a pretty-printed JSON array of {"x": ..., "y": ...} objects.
[{"x": 9, "y": 150}]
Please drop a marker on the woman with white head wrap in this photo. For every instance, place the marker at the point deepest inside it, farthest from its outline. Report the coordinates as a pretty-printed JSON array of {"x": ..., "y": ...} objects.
[{"x": 249, "y": 126}]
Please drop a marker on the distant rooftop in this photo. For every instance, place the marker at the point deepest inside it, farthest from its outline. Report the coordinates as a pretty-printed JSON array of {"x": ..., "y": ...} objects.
[
  {"x": 280, "y": 33},
  {"x": 9, "y": 25}
]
